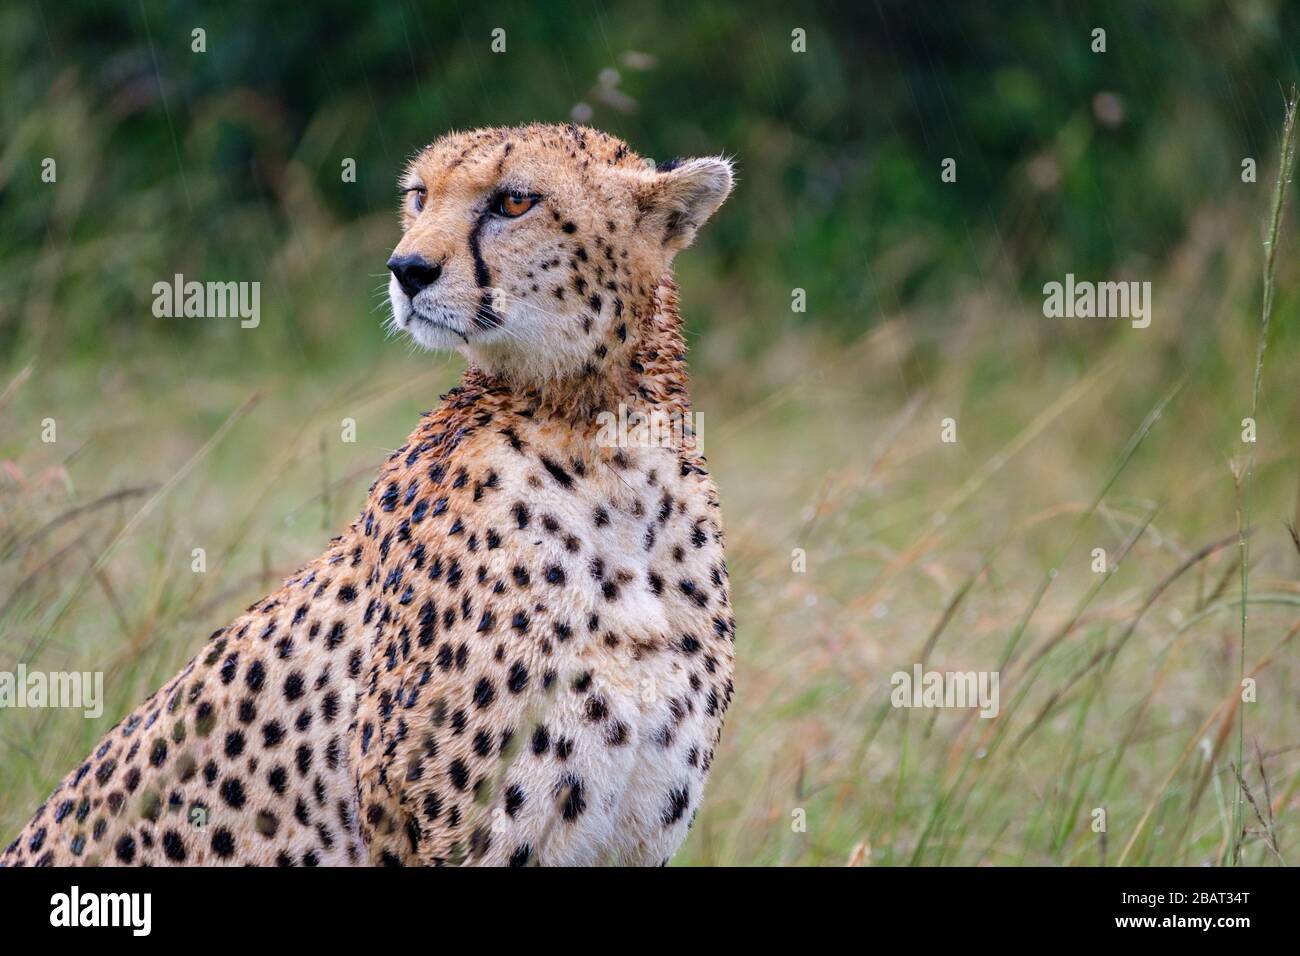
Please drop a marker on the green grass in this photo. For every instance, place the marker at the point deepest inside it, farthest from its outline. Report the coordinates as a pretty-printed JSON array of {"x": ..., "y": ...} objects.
[
  {"x": 1117, "y": 689},
  {"x": 1273, "y": 231}
]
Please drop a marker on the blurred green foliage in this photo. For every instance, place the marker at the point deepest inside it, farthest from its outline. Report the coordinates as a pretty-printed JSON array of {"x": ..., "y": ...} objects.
[{"x": 226, "y": 164}]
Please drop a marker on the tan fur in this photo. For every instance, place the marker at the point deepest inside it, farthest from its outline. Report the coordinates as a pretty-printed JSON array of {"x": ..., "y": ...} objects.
[{"x": 521, "y": 651}]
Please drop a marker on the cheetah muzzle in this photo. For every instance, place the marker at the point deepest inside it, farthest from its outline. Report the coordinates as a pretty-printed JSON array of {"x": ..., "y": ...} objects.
[{"x": 521, "y": 651}]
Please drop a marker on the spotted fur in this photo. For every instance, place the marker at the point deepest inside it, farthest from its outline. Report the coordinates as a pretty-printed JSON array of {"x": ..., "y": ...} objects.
[{"x": 521, "y": 651}]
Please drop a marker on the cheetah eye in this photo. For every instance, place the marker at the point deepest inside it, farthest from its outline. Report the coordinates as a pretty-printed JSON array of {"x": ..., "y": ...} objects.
[
  {"x": 512, "y": 205},
  {"x": 417, "y": 197}
]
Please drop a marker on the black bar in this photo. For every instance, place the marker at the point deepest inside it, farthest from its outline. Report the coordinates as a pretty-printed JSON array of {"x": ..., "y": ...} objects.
[{"x": 938, "y": 904}]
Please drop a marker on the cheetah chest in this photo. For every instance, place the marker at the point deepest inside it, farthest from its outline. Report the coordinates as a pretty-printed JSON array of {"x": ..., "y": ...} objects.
[
  {"x": 640, "y": 693},
  {"x": 571, "y": 690}
]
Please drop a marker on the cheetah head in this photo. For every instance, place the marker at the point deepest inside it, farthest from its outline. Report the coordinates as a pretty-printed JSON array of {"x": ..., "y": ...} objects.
[{"x": 525, "y": 248}]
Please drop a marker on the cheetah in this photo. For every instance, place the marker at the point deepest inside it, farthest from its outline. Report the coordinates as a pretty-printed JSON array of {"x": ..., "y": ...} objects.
[{"x": 521, "y": 651}]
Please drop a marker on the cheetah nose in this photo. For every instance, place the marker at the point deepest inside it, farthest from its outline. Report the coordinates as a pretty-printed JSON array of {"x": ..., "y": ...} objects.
[{"x": 414, "y": 272}]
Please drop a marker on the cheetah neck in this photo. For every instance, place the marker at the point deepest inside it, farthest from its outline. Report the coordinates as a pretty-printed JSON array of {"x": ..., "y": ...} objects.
[{"x": 639, "y": 366}]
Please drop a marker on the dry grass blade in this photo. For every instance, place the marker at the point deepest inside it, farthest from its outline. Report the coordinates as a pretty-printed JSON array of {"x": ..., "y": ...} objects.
[{"x": 1286, "y": 164}]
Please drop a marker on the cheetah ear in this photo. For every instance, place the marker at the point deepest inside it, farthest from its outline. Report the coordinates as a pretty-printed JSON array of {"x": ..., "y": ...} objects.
[{"x": 682, "y": 194}]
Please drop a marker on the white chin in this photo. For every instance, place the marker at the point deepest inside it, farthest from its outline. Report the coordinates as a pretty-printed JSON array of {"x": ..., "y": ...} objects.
[
  {"x": 426, "y": 334},
  {"x": 430, "y": 336}
]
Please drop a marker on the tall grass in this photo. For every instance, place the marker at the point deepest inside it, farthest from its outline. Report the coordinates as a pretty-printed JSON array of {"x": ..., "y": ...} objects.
[
  {"x": 1273, "y": 231},
  {"x": 1116, "y": 688},
  {"x": 1120, "y": 690}
]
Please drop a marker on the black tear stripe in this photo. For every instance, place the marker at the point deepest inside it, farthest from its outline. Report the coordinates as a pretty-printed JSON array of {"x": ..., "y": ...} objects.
[{"x": 485, "y": 317}]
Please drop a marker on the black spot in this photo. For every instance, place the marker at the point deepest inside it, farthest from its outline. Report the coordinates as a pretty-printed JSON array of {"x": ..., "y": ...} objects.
[
  {"x": 575, "y": 801},
  {"x": 105, "y": 770},
  {"x": 678, "y": 801},
  {"x": 432, "y": 805},
  {"x": 232, "y": 791},
  {"x": 173, "y": 846},
  {"x": 541, "y": 740},
  {"x": 484, "y": 693},
  {"x": 557, "y": 472},
  {"x": 228, "y": 668},
  {"x": 518, "y": 679},
  {"x": 223, "y": 844},
  {"x": 514, "y": 799},
  {"x": 125, "y": 849},
  {"x": 459, "y": 774},
  {"x": 255, "y": 676}
]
